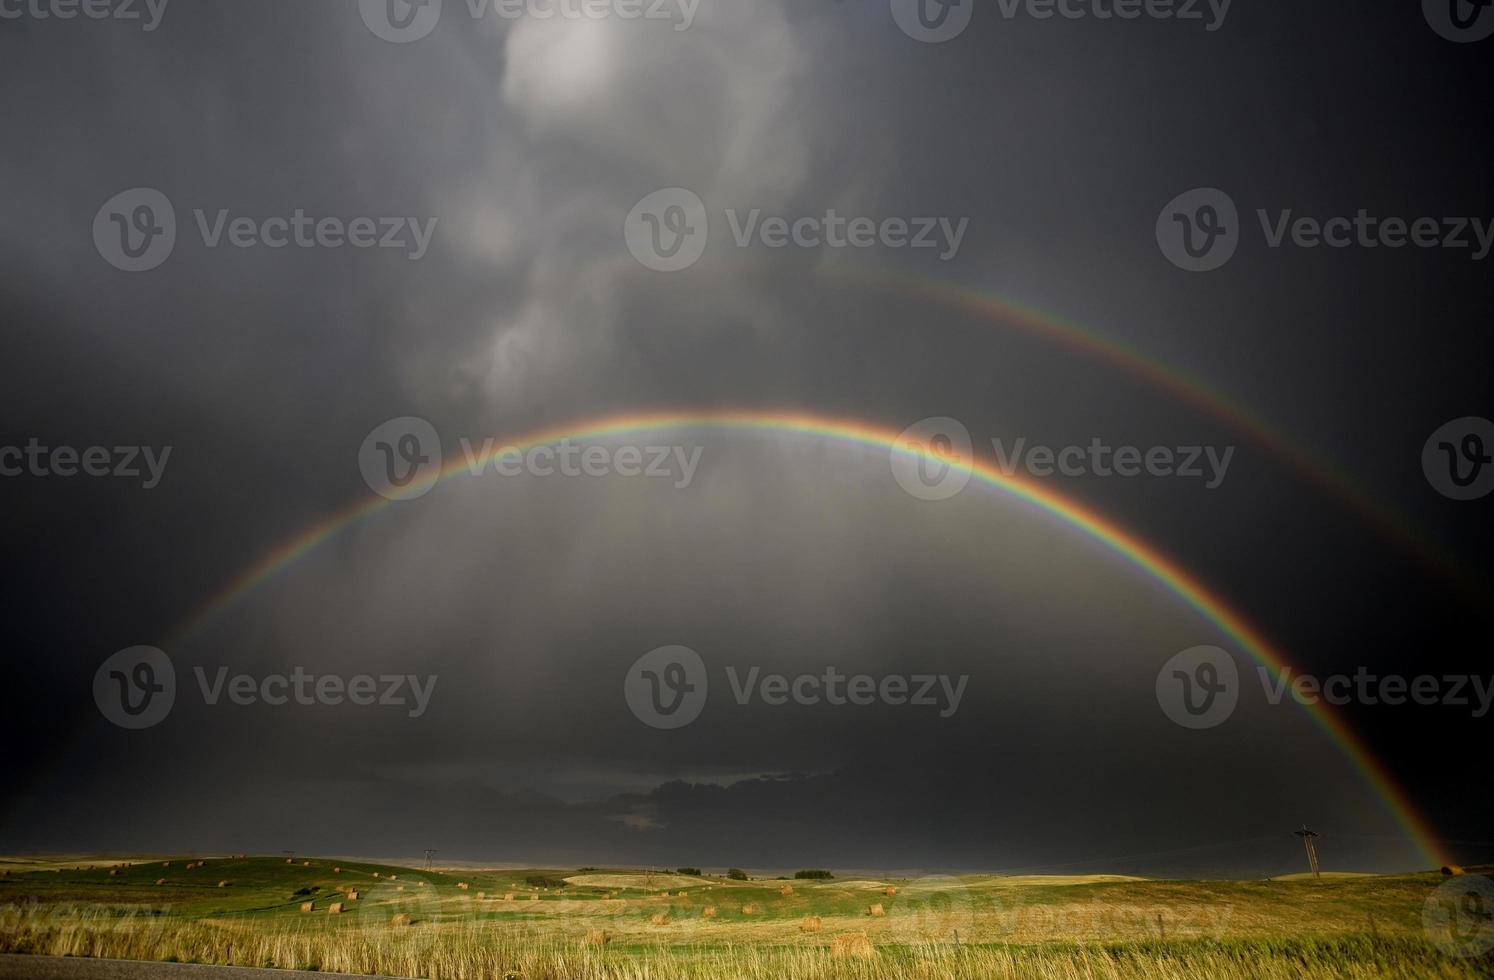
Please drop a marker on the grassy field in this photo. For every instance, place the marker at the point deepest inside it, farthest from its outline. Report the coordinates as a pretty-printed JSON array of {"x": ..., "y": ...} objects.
[{"x": 611, "y": 923}]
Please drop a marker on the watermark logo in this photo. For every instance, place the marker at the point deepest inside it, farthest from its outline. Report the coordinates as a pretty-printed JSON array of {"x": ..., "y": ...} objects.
[
  {"x": 1199, "y": 688},
  {"x": 1199, "y": 231},
  {"x": 668, "y": 230},
  {"x": 135, "y": 688},
  {"x": 1461, "y": 21},
  {"x": 666, "y": 688},
  {"x": 1459, "y": 916},
  {"x": 135, "y": 230},
  {"x": 400, "y": 21},
  {"x": 1458, "y": 459},
  {"x": 401, "y": 459},
  {"x": 933, "y": 21},
  {"x": 934, "y": 459}
]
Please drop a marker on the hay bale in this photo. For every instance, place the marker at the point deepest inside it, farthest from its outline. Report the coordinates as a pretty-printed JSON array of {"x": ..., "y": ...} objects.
[
  {"x": 337, "y": 871},
  {"x": 335, "y": 908},
  {"x": 709, "y": 912},
  {"x": 534, "y": 898},
  {"x": 508, "y": 897},
  {"x": 401, "y": 921},
  {"x": 462, "y": 885},
  {"x": 391, "y": 877},
  {"x": 811, "y": 923},
  {"x": 165, "y": 864},
  {"x": 352, "y": 894},
  {"x": 889, "y": 891},
  {"x": 222, "y": 884},
  {"x": 290, "y": 860},
  {"x": 114, "y": 872},
  {"x": 659, "y": 919},
  {"x": 853, "y": 944},
  {"x": 305, "y": 864},
  {"x": 786, "y": 890},
  {"x": 1452, "y": 871},
  {"x": 596, "y": 937},
  {"x": 481, "y": 895},
  {"x": 308, "y": 906},
  {"x": 876, "y": 911},
  {"x": 376, "y": 874},
  {"x": 749, "y": 910},
  {"x": 400, "y": 888}
]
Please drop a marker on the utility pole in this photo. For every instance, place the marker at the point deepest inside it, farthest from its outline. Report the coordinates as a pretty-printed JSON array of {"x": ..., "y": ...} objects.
[
  {"x": 430, "y": 852},
  {"x": 1312, "y": 852}
]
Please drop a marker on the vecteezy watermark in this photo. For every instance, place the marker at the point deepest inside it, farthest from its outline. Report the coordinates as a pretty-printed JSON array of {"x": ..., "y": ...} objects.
[
  {"x": 933, "y": 460},
  {"x": 146, "y": 13},
  {"x": 1210, "y": 13},
  {"x": 1200, "y": 231},
  {"x": 669, "y": 230},
  {"x": 1366, "y": 688},
  {"x": 136, "y": 688},
  {"x": 1458, "y": 459},
  {"x": 1462, "y": 21},
  {"x": 119, "y": 462},
  {"x": 403, "y": 21},
  {"x": 363, "y": 690},
  {"x": 136, "y": 231},
  {"x": 933, "y": 21},
  {"x": 1458, "y": 916},
  {"x": 667, "y": 688},
  {"x": 938, "y": 21},
  {"x": 402, "y": 460},
  {"x": 1209, "y": 464},
  {"x": 1201, "y": 688}
]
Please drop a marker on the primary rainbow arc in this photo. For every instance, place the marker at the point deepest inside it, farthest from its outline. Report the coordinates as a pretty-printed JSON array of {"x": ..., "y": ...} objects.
[{"x": 1138, "y": 553}]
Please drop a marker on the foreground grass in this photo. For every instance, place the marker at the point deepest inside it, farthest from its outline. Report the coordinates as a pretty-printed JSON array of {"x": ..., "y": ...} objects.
[
  {"x": 475, "y": 954},
  {"x": 396, "y": 921}
]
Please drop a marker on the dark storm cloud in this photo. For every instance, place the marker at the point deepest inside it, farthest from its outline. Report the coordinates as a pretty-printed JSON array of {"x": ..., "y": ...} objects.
[{"x": 527, "y": 143}]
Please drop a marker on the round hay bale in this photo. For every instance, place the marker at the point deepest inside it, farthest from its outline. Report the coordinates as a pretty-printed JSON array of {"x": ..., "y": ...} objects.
[
  {"x": 876, "y": 911},
  {"x": 709, "y": 912},
  {"x": 749, "y": 910},
  {"x": 401, "y": 921},
  {"x": 852, "y": 945},
  {"x": 786, "y": 890},
  {"x": 308, "y": 906},
  {"x": 335, "y": 908},
  {"x": 1452, "y": 870},
  {"x": 597, "y": 937},
  {"x": 811, "y": 923},
  {"x": 889, "y": 891},
  {"x": 659, "y": 919}
]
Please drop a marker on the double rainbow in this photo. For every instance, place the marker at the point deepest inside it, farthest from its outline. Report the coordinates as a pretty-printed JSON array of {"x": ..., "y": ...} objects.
[{"x": 1138, "y": 553}]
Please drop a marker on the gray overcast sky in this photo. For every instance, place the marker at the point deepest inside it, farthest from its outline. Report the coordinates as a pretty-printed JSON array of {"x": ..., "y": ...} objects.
[{"x": 1054, "y": 144}]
